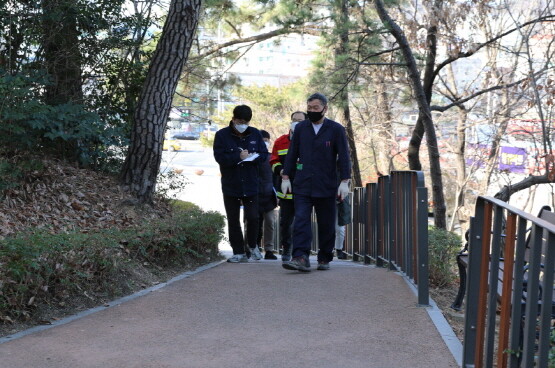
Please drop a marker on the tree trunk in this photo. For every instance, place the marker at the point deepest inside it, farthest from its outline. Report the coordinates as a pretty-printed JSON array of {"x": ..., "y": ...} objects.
[
  {"x": 428, "y": 82},
  {"x": 413, "y": 153},
  {"x": 424, "y": 112},
  {"x": 507, "y": 191},
  {"x": 61, "y": 52},
  {"x": 357, "y": 180},
  {"x": 460, "y": 165},
  {"x": 383, "y": 122},
  {"x": 501, "y": 121},
  {"x": 142, "y": 163},
  {"x": 342, "y": 49}
]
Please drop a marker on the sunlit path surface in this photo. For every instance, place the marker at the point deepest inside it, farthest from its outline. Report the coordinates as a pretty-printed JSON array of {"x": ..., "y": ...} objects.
[{"x": 249, "y": 315}]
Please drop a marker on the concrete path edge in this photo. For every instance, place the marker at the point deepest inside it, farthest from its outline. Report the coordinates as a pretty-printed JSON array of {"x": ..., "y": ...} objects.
[
  {"x": 111, "y": 304},
  {"x": 441, "y": 324},
  {"x": 443, "y": 327}
]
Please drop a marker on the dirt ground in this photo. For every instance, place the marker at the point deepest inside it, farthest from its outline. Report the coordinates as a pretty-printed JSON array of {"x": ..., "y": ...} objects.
[
  {"x": 142, "y": 279},
  {"x": 444, "y": 298}
]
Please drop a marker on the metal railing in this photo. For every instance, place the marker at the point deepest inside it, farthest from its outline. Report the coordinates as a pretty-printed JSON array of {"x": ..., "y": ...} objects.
[
  {"x": 389, "y": 227},
  {"x": 509, "y": 305}
]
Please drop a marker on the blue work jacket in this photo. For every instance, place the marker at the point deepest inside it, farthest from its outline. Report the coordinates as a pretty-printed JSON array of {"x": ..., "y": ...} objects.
[
  {"x": 318, "y": 158},
  {"x": 239, "y": 179}
]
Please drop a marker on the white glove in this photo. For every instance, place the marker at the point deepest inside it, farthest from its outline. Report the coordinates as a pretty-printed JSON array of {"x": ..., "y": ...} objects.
[
  {"x": 343, "y": 190},
  {"x": 286, "y": 186}
]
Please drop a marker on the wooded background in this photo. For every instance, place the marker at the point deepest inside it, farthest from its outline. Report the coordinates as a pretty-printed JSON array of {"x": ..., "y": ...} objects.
[{"x": 93, "y": 82}]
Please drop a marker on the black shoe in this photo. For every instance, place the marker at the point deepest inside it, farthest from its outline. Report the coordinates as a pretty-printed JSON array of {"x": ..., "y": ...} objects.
[
  {"x": 269, "y": 255},
  {"x": 340, "y": 254},
  {"x": 297, "y": 264},
  {"x": 323, "y": 266}
]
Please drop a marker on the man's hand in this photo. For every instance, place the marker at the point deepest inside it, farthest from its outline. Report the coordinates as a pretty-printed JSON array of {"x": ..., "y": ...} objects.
[
  {"x": 343, "y": 190},
  {"x": 286, "y": 186},
  {"x": 243, "y": 154}
]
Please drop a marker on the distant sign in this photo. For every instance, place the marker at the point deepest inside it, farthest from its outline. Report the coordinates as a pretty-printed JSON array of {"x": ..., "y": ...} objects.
[{"x": 512, "y": 159}]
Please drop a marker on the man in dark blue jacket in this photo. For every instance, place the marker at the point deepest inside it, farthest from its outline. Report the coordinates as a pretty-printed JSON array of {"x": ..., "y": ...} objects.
[
  {"x": 320, "y": 153},
  {"x": 238, "y": 149}
]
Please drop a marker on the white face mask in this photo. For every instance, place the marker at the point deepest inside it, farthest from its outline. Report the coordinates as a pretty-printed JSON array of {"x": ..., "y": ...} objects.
[
  {"x": 267, "y": 145},
  {"x": 241, "y": 127},
  {"x": 293, "y": 125}
]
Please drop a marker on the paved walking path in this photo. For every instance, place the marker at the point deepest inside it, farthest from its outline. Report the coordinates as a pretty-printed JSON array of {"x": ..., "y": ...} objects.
[{"x": 249, "y": 315}]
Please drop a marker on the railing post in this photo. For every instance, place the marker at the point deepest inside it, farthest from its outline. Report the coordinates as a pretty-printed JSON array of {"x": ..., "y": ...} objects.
[
  {"x": 546, "y": 309},
  {"x": 473, "y": 283},
  {"x": 422, "y": 259},
  {"x": 389, "y": 229},
  {"x": 371, "y": 222},
  {"x": 532, "y": 291}
]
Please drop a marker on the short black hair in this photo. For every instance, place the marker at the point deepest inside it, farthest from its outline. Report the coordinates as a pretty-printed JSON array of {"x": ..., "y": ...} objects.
[
  {"x": 265, "y": 134},
  {"x": 318, "y": 96},
  {"x": 242, "y": 112},
  {"x": 298, "y": 112}
]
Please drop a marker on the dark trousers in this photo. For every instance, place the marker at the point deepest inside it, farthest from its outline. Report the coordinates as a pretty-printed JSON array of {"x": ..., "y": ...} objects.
[
  {"x": 232, "y": 210},
  {"x": 302, "y": 228},
  {"x": 286, "y": 216}
]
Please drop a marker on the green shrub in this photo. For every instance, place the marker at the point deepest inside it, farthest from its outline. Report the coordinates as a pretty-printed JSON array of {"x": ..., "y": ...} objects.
[
  {"x": 443, "y": 247},
  {"x": 68, "y": 130},
  {"x": 40, "y": 268},
  {"x": 179, "y": 205},
  {"x": 170, "y": 241}
]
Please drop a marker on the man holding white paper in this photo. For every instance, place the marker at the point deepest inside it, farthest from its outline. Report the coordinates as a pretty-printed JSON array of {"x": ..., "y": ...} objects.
[{"x": 238, "y": 149}]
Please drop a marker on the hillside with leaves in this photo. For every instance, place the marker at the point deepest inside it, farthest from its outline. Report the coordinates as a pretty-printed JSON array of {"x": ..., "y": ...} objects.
[{"x": 70, "y": 239}]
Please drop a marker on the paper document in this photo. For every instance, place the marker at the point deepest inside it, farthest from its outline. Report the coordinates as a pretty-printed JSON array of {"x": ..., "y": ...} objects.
[{"x": 250, "y": 157}]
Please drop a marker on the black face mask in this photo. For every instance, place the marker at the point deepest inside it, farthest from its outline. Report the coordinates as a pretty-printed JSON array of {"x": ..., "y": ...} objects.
[{"x": 314, "y": 116}]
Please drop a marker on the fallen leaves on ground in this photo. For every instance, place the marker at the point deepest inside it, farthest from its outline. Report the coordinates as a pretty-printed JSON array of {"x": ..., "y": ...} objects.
[{"x": 63, "y": 197}]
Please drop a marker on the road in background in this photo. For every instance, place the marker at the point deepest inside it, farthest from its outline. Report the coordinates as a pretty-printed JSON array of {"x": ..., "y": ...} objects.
[{"x": 202, "y": 173}]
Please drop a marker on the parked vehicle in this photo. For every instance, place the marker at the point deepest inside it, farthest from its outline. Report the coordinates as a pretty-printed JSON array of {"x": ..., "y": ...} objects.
[
  {"x": 188, "y": 135},
  {"x": 171, "y": 145}
]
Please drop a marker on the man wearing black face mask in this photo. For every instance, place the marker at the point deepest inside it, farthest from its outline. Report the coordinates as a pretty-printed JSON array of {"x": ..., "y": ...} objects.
[
  {"x": 320, "y": 153},
  {"x": 238, "y": 149}
]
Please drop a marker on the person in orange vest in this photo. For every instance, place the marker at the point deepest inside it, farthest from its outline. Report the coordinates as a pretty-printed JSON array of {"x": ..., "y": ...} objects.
[{"x": 287, "y": 208}]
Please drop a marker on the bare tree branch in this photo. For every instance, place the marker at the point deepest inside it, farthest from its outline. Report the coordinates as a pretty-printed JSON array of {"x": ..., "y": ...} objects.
[
  {"x": 505, "y": 193},
  {"x": 474, "y": 95},
  {"x": 255, "y": 38},
  {"x": 460, "y": 55}
]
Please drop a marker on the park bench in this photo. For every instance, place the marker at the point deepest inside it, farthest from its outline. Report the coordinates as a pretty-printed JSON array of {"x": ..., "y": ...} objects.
[
  {"x": 546, "y": 214},
  {"x": 509, "y": 277}
]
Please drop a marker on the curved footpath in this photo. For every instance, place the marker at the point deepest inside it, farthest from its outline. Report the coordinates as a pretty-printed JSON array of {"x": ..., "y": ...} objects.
[{"x": 248, "y": 315}]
